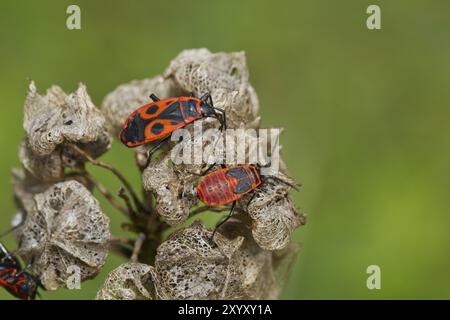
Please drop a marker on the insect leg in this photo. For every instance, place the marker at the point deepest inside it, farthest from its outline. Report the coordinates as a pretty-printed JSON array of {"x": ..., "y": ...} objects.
[
  {"x": 224, "y": 220},
  {"x": 154, "y": 97},
  {"x": 205, "y": 97},
  {"x": 208, "y": 169},
  {"x": 221, "y": 117},
  {"x": 6, "y": 253},
  {"x": 251, "y": 198},
  {"x": 211, "y": 101},
  {"x": 23, "y": 270},
  {"x": 156, "y": 148}
]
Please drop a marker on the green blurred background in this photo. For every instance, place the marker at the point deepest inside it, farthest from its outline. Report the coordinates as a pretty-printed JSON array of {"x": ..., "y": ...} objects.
[{"x": 366, "y": 116}]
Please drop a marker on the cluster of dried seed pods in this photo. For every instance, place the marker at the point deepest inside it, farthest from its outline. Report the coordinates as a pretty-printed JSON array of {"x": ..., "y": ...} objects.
[
  {"x": 62, "y": 228},
  {"x": 62, "y": 224}
]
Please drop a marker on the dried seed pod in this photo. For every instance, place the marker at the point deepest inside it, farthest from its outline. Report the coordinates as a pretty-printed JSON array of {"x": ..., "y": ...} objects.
[
  {"x": 282, "y": 263},
  {"x": 64, "y": 231},
  {"x": 126, "y": 98},
  {"x": 241, "y": 107},
  {"x": 224, "y": 76},
  {"x": 274, "y": 215},
  {"x": 175, "y": 183},
  {"x": 53, "y": 121},
  {"x": 25, "y": 187},
  {"x": 174, "y": 195},
  {"x": 130, "y": 281},
  {"x": 263, "y": 274},
  {"x": 200, "y": 71},
  {"x": 189, "y": 266},
  {"x": 47, "y": 167}
]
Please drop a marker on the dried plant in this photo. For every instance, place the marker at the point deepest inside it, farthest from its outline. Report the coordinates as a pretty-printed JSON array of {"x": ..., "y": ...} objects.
[{"x": 62, "y": 224}]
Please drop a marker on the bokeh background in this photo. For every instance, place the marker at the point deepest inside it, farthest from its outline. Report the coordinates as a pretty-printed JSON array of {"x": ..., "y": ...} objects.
[{"x": 366, "y": 115}]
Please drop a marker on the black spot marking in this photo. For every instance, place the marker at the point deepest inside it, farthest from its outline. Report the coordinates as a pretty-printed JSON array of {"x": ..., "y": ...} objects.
[
  {"x": 135, "y": 130},
  {"x": 243, "y": 177},
  {"x": 172, "y": 113},
  {"x": 157, "y": 128},
  {"x": 189, "y": 108},
  {"x": 152, "y": 109},
  {"x": 242, "y": 186},
  {"x": 238, "y": 173}
]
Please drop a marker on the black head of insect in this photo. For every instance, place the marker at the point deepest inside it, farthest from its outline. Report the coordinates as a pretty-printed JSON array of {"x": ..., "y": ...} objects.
[{"x": 208, "y": 110}]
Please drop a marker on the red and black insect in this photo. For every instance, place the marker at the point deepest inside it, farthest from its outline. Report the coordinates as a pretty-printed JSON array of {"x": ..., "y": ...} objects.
[
  {"x": 227, "y": 185},
  {"x": 158, "y": 119},
  {"x": 14, "y": 279}
]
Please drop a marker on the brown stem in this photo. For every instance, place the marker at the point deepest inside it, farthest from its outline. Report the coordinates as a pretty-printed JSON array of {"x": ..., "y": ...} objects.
[
  {"x": 149, "y": 227},
  {"x": 121, "y": 193},
  {"x": 121, "y": 240},
  {"x": 137, "y": 247},
  {"x": 120, "y": 249},
  {"x": 119, "y": 175},
  {"x": 112, "y": 200}
]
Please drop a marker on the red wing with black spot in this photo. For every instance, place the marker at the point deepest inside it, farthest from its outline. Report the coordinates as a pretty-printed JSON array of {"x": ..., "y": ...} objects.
[{"x": 158, "y": 119}]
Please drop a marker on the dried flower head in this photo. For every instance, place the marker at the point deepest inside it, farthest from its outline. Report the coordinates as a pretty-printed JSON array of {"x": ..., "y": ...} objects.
[
  {"x": 225, "y": 76},
  {"x": 54, "y": 120},
  {"x": 190, "y": 266},
  {"x": 274, "y": 216},
  {"x": 263, "y": 273},
  {"x": 174, "y": 195},
  {"x": 130, "y": 281},
  {"x": 61, "y": 229},
  {"x": 64, "y": 226}
]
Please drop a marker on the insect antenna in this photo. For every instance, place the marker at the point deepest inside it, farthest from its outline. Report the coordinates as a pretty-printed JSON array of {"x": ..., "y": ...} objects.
[
  {"x": 295, "y": 186},
  {"x": 222, "y": 118},
  {"x": 5, "y": 233},
  {"x": 7, "y": 254}
]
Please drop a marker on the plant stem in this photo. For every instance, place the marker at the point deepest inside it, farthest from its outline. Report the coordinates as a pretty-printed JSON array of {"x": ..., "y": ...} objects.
[
  {"x": 102, "y": 189},
  {"x": 137, "y": 247},
  {"x": 119, "y": 175},
  {"x": 149, "y": 227}
]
